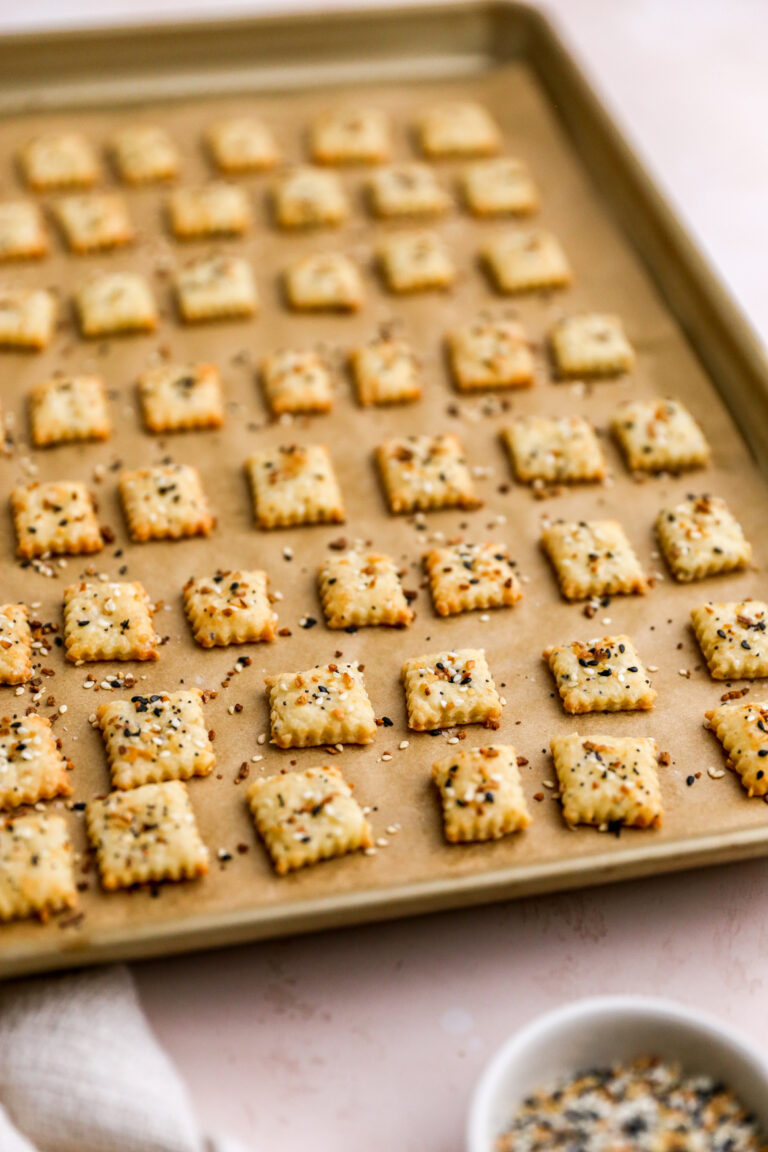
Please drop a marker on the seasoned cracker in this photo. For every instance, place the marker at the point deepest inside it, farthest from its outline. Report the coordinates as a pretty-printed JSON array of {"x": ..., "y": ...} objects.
[
  {"x": 593, "y": 558},
  {"x": 230, "y": 608},
  {"x": 421, "y": 473},
  {"x": 554, "y": 450},
  {"x": 305, "y": 817},
  {"x": 94, "y": 222},
  {"x": 153, "y": 738},
  {"x": 325, "y": 281},
  {"x": 217, "y": 209},
  {"x": 591, "y": 345},
  {"x": 527, "y": 260},
  {"x": 31, "y": 766},
  {"x": 294, "y": 484},
  {"x": 59, "y": 160},
  {"x": 216, "y": 288},
  {"x": 604, "y": 675},
  {"x": 166, "y": 502},
  {"x": 36, "y": 867},
  {"x": 416, "y": 262},
  {"x": 386, "y": 371},
  {"x": 327, "y": 705},
  {"x": 500, "y": 187},
  {"x": 465, "y": 577},
  {"x": 108, "y": 622},
  {"x": 733, "y": 637},
  {"x": 55, "y": 518},
  {"x": 146, "y": 833},
  {"x": 491, "y": 354},
  {"x": 242, "y": 144},
  {"x": 116, "y": 302},
  {"x": 297, "y": 381},
  {"x": 608, "y": 781},
  {"x": 701, "y": 537},
  {"x": 15, "y": 644},
  {"x": 447, "y": 688},
  {"x": 481, "y": 794},
  {"x": 458, "y": 129},
  {"x": 69, "y": 408},
  {"x": 27, "y": 317},
  {"x": 407, "y": 189},
  {"x": 351, "y": 136},
  {"x": 144, "y": 154},
  {"x": 659, "y": 436},
  {"x": 742, "y": 729},
  {"x": 309, "y": 198},
  {"x": 181, "y": 397},
  {"x": 362, "y": 588},
  {"x": 23, "y": 235}
]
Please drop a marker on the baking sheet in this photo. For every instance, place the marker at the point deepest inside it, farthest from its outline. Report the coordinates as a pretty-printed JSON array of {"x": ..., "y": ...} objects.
[{"x": 712, "y": 819}]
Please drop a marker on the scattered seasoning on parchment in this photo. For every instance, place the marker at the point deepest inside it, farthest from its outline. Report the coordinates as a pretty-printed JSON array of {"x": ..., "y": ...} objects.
[{"x": 646, "y": 1106}]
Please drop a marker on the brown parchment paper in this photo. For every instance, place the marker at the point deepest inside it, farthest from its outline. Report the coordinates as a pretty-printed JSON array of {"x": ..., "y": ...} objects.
[{"x": 241, "y": 896}]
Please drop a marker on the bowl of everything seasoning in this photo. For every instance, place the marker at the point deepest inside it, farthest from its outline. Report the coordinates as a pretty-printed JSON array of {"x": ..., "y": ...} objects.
[{"x": 618, "y": 1074}]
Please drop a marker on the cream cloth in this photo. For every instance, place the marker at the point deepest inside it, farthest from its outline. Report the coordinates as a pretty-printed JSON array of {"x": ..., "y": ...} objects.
[{"x": 80, "y": 1071}]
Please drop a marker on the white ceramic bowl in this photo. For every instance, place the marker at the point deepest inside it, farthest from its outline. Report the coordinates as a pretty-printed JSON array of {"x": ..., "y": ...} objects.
[{"x": 600, "y": 1031}]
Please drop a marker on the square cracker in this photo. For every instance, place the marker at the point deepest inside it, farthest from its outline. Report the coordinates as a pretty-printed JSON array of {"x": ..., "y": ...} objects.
[
  {"x": 15, "y": 644},
  {"x": 108, "y": 622},
  {"x": 608, "y": 781},
  {"x": 701, "y": 537},
  {"x": 604, "y": 675},
  {"x": 166, "y": 502},
  {"x": 742, "y": 729},
  {"x": 146, "y": 833},
  {"x": 526, "y": 260},
  {"x": 242, "y": 144},
  {"x": 94, "y": 222},
  {"x": 593, "y": 344},
  {"x": 592, "y": 558},
  {"x": 144, "y": 154},
  {"x": 309, "y": 198},
  {"x": 458, "y": 129},
  {"x": 659, "y": 436},
  {"x": 416, "y": 262},
  {"x": 69, "y": 408},
  {"x": 55, "y": 517},
  {"x": 324, "y": 281},
  {"x": 297, "y": 381},
  {"x": 554, "y": 450},
  {"x": 294, "y": 484},
  {"x": 734, "y": 638},
  {"x": 305, "y": 817},
  {"x": 27, "y": 317},
  {"x": 230, "y": 608},
  {"x": 350, "y": 136},
  {"x": 499, "y": 187},
  {"x": 386, "y": 371},
  {"x": 407, "y": 189},
  {"x": 216, "y": 288},
  {"x": 362, "y": 588},
  {"x": 481, "y": 793},
  {"x": 23, "y": 234},
  {"x": 36, "y": 867},
  {"x": 447, "y": 688},
  {"x": 491, "y": 354},
  {"x": 464, "y": 577},
  {"x": 31, "y": 766},
  {"x": 425, "y": 473},
  {"x": 181, "y": 397},
  {"x": 325, "y": 705},
  {"x": 116, "y": 302},
  {"x": 153, "y": 738},
  {"x": 59, "y": 160},
  {"x": 216, "y": 209}
]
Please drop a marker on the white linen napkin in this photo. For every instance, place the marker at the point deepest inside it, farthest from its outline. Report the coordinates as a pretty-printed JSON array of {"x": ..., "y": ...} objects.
[{"x": 80, "y": 1071}]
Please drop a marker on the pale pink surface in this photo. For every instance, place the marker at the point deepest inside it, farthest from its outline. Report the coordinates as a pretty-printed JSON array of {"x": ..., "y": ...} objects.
[{"x": 372, "y": 1038}]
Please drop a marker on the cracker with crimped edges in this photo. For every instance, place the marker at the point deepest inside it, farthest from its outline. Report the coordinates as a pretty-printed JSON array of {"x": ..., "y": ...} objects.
[
  {"x": 733, "y": 636},
  {"x": 407, "y": 189},
  {"x": 608, "y": 781},
  {"x": 592, "y": 344},
  {"x": 499, "y": 187},
  {"x": 108, "y": 621},
  {"x": 230, "y": 607},
  {"x": 216, "y": 288},
  {"x": 308, "y": 197},
  {"x": 59, "y": 160},
  {"x": 27, "y": 317},
  {"x": 447, "y": 688},
  {"x": 603, "y": 675},
  {"x": 659, "y": 436},
  {"x": 144, "y": 154},
  {"x": 94, "y": 221},
  {"x": 116, "y": 302},
  {"x": 297, "y": 380},
  {"x": 481, "y": 793},
  {"x": 23, "y": 235},
  {"x": 31, "y": 766},
  {"x": 242, "y": 144},
  {"x": 458, "y": 128},
  {"x": 526, "y": 260},
  {"x": 386, "y": 371},
  {"x": 215, "y": 209},
  {"x": 425, "y": 473},
  {"x": 294, "y": 484},
  {"x": 161, "y": 736},
  {"x": 181, "y": 397},
  {"x": 15, "y": 644},
  {"x": 324, "y": 705},
  {"x": 742, "y": 729},
  {"x": 350, "y": 136},
  {"x": 69, "y": 408},
  {"x": 701, "y": 537},
  {"x": 466, "y": 577},
  {"x": 416, "y": 262},
  {"x": 491, "y": 354},
  {"x": 56, "y": 518},
  {"x": 36, "y": 867},
  {"x": 362, "y": 588},
  {"x": 554, "y": 450},
  {"x": 593, "y": 558},
  {"x": 324, "y": 281},
  {"x": 166, "y": 502}
]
